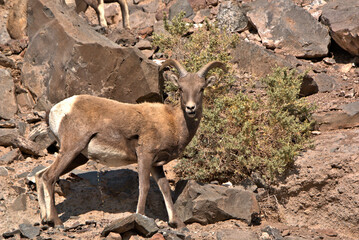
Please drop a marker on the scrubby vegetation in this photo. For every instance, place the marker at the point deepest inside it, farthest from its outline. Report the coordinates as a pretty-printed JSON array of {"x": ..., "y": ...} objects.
[{"x": 240, "y": 133}]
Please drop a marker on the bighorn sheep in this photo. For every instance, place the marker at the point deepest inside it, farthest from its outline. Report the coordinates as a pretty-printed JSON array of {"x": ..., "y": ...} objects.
[
  {"x": 99, "y": 7},
  {"x": 117, "y": 134}
]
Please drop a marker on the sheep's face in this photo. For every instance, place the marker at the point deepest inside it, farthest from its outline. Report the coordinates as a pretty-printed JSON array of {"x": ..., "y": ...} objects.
[{"x": 191, "y": 88}]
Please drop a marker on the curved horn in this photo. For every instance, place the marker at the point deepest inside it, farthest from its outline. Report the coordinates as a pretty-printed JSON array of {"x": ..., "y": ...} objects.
[
  {"x": 171, "y": 62},
  {"x": 206, "y": 68}
]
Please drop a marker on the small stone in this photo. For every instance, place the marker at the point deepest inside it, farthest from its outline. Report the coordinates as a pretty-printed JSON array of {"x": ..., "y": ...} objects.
[
  {"x": 345, "y": 68},
  {"x": 350, "y": 94},
  {"x": 113, "y": 236},
  {"x": 265, "y": 236},
  {"x": 19, "y": 204},
  {"x": 272, "y": 232},
  {"x": 11, "y": 233},
  {"x": 142, "y": 224},
  {"x": 3, "y": 172},
  {"x": 29, "y": 231},
  {"x": 157, "y": 236},
  {"x": 316, "y": 132},
  {"x": 144, "y": 44},
  {"x": 11, "y": 157},
  {"x": 329, "y": 61},
  {"x": 148, "y": 52}
]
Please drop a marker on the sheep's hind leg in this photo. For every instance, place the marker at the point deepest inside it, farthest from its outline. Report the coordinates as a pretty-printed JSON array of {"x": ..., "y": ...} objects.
[{"x": 48, "y": 178}]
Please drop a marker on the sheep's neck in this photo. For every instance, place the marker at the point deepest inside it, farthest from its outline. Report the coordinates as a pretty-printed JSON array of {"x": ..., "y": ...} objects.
[{"x": 191, "y": 125}]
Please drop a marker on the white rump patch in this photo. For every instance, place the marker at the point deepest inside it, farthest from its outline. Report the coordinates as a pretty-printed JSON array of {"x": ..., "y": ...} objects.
[{"x": 58, "y": 112}]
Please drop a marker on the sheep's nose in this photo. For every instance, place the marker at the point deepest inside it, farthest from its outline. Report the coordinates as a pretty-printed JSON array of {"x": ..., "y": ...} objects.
[{"x": 191, "y": 108}]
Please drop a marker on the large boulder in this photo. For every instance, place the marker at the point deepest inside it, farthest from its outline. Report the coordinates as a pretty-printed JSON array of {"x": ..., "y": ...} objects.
[
  {"x": 8, "y": 107},
  {"x": 342, "y": 18},
  {"x": 67, "y": 57},
  {"x": 288, "y": 28},
  {"x": 210, "y": 203},
  {"x": 260, "y": 62}
]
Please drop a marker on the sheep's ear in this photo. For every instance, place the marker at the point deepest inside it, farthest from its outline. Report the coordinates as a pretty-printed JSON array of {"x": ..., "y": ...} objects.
[
  {"x": 171, "y": 77},
  {"x": 210, "y": 81}
]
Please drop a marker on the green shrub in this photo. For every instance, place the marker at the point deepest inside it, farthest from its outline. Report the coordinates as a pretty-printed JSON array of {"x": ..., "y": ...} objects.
[
  {"x": 239, "y": 133},
  {"x": 205, "y": 44}
]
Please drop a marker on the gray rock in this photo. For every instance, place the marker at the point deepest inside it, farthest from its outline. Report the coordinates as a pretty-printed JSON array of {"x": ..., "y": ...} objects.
[
  {"x": 29, "y": 231},
  {"x": 288, "y": 28},
  {"x": 325, "y": 82},
  {"x": 31, "y": 175},
  {"x": 66, "y": 56},
  {"x": 142, "y": 224},
  {"x": 260, "y": 62},
  {"x": 8, "y": 136},
  {"x": 8, "y": 124},
  {"x": 342, "y": 18},
  {"x": 351, "y": 108},
  {"x": 11, "y": 233},
  {"x": 42, "y": 136},
  {"x": 348, "y": 117},
  {"x": 212, "y": 203},
  {"x": 19, "y": 204},
  {"x": 11, "y": 156},
  {"x": 273, "y": 232},
  {"x": 236, "y": 234},
  {"x": 144, "y": 44},
  {"x": 180, "y": 6},
  {"x": 8, "y": 107},
  {"x": 3, "y": 172},
  {"x": 27, "y": 146},
  {"x": 4, "y": 35},
  {"x": 170, "y": 234},
  {"x": 231, "y": 17},
  {"x": 151, "y": 7},
  {"x": 25, "y": 102}
]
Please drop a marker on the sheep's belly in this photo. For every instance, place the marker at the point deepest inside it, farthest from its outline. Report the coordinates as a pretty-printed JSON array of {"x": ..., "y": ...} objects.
[{"x": 108, "y": 155}]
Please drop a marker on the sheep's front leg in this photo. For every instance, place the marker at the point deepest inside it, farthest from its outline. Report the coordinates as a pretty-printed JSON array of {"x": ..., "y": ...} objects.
[
  {"x": 162, "y": 182},
  {"x": 101, "y": 13},
  {"x": 144, "y": 166},
  {"x": 125, "y": 14}
]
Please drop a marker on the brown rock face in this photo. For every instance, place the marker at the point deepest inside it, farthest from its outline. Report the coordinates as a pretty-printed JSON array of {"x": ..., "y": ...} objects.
[
  {"x": 342, "y": 18},
  {"x": 67, "y": 57},
  {"x": 288, "y": 28},
  {"x": 17, "y": 20}
]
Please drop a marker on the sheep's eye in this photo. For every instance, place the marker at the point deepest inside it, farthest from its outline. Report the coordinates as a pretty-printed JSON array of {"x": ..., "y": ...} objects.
[
  {"x": 202, "y": 89},
  {"x": 180, "y": 89}
]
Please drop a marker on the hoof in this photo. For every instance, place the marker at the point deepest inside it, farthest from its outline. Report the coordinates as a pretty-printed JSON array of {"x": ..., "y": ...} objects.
[
  {"x": 52, "y": 223},
  {"x": 100, "y": 29},
  {"x": 177, "y": 224}
]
